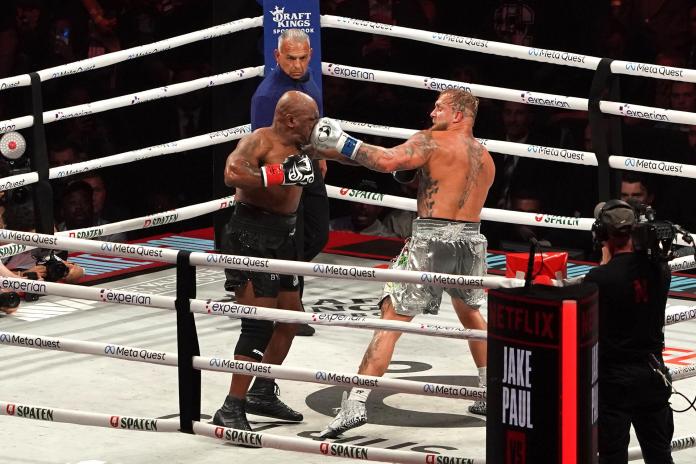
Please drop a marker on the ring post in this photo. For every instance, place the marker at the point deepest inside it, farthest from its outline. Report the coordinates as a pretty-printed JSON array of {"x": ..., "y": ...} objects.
[
  {"x": 542, "y": 375},
  {"x": 43, "y": 192},
  {"x": 187, "y": 344}
]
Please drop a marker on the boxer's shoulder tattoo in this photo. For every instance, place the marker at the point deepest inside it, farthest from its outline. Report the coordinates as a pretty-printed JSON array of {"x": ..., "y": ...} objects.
[
  {"x": 474, "y": 151},
  {"x": 427, "y": 190}
]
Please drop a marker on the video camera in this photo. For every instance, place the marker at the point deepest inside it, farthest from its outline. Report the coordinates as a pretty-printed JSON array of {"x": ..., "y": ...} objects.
[{"x": 653, "y": 237}]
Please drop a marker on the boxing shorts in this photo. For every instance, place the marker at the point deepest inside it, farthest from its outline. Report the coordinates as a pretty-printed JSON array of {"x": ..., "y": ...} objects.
[
  {"x": 255, "y": 232},
  {"x": 438, "y": 245}
]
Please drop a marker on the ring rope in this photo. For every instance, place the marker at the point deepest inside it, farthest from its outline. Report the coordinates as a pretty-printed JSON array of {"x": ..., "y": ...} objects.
[
  {"x": 139, "y": 223},
  {"x": 135, "y": 98},
  {"x": 93, "y": 419},
  {"x": 677, "y": 444},
  {"x": 513, "y": 95},
  {"x": 217, "y": 308},
  {"x": 273, "y": 371},
  {"x": 510, "y": 50},
  {"x": 241, "y": 437},
  {"x": 120, "y": 56}
]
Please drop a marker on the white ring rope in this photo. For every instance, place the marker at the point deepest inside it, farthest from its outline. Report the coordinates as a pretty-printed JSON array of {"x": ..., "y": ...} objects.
[
  {"x": 119, "y": 56},
  {"x": 177, "y": 146},
  {"x": 247, "y": 263},
  {"x": 135, "y": 98},
  {"x": 510, "y": 50},
  {"x": 94, "y": 419},
  {"x": 218, "y": 308},
  {"x": 241, "y": 437},
  {"x": 139, "y": 223},
  {"x": 677, "y": 444},
  {"x": 273, "y": 371},
  {"x": 513, "y": 95}
]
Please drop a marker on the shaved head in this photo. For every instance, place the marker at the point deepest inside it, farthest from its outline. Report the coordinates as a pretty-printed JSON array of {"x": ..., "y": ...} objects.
[{"x": 298, "y": 112}]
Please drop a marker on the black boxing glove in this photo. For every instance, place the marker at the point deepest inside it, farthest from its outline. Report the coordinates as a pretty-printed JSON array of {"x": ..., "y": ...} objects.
[
  {"x": 295, "y": 170},
  {"x": 405, "y": 177}
]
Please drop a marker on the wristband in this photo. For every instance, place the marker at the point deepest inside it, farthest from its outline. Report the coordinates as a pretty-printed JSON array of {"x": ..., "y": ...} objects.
[
  {"x": 273, "y": 174},
  {"x": 349, "y": 147}
]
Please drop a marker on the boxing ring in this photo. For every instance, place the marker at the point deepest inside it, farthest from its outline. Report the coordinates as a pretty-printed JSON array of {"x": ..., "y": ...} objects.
[{"x": 136, "y": 326}]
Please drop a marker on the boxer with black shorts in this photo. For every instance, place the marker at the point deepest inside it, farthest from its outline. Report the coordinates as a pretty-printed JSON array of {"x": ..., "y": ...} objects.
[
  {"x": 268, "y": 171},
  {"x": 456, "y": 172}
]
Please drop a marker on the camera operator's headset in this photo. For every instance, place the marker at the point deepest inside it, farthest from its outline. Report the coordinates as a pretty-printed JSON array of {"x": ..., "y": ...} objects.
[{"x": 600, "y": 228}]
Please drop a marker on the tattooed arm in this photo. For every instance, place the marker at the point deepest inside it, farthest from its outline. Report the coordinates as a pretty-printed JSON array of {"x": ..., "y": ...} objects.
[{"x": 242, "y": 166}]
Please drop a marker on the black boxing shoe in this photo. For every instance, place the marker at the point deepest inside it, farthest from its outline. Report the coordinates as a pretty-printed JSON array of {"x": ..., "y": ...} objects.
[
  {"x": 232, "y": 414},
  {"x": 304, "y": 330},
  {"x": 262, "y": 400}
]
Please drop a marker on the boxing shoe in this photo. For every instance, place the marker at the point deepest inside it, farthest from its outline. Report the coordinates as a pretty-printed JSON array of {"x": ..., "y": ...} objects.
[
  {"x": 479, "y": 407},
  {"x": 262, "y": 400},
  {"x": 304, "y": 330},
  {"x": 351, "y": 415},
  {"x": 232, "y": 414}
]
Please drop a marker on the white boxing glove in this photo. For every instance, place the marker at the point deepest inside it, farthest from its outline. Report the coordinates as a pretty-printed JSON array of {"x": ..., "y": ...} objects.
[{"x": 327, "y": 134}]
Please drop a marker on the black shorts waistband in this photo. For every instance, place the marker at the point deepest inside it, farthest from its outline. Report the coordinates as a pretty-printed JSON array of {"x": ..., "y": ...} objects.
[{"x": 263, "y": 218}]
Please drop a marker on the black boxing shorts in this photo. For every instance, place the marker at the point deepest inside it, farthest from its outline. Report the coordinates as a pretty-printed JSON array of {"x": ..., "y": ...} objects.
[{"x": 255, "y": 232}]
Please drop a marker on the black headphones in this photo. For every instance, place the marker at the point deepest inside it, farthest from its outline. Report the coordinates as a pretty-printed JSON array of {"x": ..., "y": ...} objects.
[{"x": 600, "y": 228}]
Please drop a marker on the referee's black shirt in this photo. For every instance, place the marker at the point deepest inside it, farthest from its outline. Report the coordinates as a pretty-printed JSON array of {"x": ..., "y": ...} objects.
[{"x": 632, "y": 299}]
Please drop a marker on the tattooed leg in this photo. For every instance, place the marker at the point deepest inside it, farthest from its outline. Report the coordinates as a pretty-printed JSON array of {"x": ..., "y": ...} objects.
[{"x": 379, "y": 352}]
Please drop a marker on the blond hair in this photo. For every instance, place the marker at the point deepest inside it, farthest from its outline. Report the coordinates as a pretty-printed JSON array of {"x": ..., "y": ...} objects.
[{"x": 462, "y": 100}]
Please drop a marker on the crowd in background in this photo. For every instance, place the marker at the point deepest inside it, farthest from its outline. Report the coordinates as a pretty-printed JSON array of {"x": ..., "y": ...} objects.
[{"x": 37, "y": 34}]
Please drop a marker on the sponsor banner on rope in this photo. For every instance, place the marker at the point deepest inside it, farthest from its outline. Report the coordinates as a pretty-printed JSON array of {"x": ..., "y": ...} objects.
[
  {"x": 683, "y": 315},
  {"x": 216, "y": 307},
  {"x": 363, "y": 23},
  {"x": 683, "y": 443},
  {"x": 441, "y": 84},
  {"x": 23, "y": 285},
  {"x": 93, "y": 232},
  {"x": 33, "y": 239},
  {"x": 124, "y": 352},
  {"x": 554, "y": 55},
  {"x": 338, "y": 317},
  {"x": 161, "y": 219},
  {"x": 4, "y": 84},
  {"x": 146, "y": 50},
  {"x": 232, "y": 133},
  {"x": 72, "y": 171},
  {"x": 682, "y": 264},
  {"x": 551, "y": 152},
  {"x": 454, "y": 391},
  {"x": 133, "y": 423},
  {"x": 343, "y": 451},
  {"x": 30, "y": 412},
  {"x": 653, "y": 69},
  {"x": 345, "y": 271},
  {"x": 558, "y": 220},
  {"x": 440, "y": 459},
  {"x": 664, "y": 167},
  {"x": 341, "y": 379},
  {"x": 349, "y": 72},
  {"x": 682, "y": 372},
  {"x": 460, "y": 40},
  {"x": 121, "y": 297},
  {"x": 33, "y": 342},
  {"x": 248, "y": 366},
  {"x": 240, "y": 436},
  {"x": 238, "y": 261},
  {"x": 653, "y": 114},
  {"x": 441, "y": 328},
  {"x": 83, "y": 110},
  {"x": 11, "y": 250},
  {"x": 352, "y": 193},
  {"x": 445, "y": 279},
  {"x": 555, "y": 101},
  {"x": 131, "y": 249},
  {"x": 149, "y": 95},
  {"x": 73, "y": 68}
]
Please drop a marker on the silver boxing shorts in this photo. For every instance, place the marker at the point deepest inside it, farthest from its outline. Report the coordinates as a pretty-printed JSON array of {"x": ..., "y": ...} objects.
[{"x": 438, "y": 245}]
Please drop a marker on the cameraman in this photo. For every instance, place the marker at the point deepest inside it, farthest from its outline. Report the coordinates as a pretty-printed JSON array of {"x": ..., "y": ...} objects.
[
  {"x": 33, "y": 263},
  {"x": 632, "y": 298}
]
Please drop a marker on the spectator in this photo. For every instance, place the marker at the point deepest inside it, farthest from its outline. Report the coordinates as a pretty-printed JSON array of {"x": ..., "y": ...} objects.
[
  {"x": 636, "y": 186},
  {"x": 363, "y": 218},
  {"x": 398, "y": 222},
  {"x": 77, "y": 210}
]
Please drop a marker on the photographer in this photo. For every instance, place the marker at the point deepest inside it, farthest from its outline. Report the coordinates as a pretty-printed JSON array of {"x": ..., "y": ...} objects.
[
  {"x": 633, "y": 288},
  {"x": 36, "y": 264}
]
